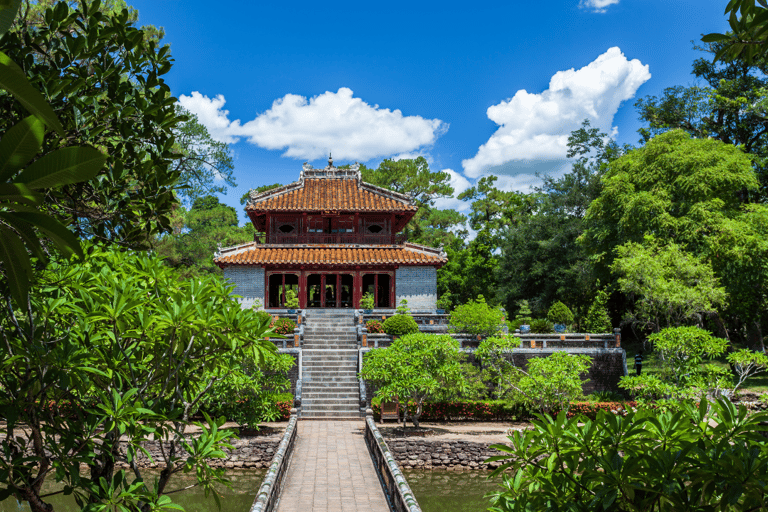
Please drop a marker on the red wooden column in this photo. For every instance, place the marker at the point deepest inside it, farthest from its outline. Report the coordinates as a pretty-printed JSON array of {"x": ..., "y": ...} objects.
[
  {"x": 357, "y": 288},
  {"x": 303, "y": 298},
  {"x": 338, "y": 291},
  {"x": 322, "y": 290}
]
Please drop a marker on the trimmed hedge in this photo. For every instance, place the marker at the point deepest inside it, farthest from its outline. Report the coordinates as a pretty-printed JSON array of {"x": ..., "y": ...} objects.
[
  {"x": 400, "y": 325},
  {"x": 590, "y": 409}
]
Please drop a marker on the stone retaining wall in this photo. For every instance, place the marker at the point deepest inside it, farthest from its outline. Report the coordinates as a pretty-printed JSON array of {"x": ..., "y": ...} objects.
[
  {"x": 423, "y": 453},
  {"x": 246, "y": 453}
]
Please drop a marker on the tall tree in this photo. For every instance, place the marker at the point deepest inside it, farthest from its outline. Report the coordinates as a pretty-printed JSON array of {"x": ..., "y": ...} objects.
[
  {"x": 103, "y": 78},
  {"x": 729, "y": 105},
  {"x": 414, "y": 178}
]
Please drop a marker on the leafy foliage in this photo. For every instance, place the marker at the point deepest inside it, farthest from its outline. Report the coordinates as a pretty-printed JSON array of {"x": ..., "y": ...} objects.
[
  {"x": 476, "y": 317},
  {"x": 133, "y": 349},
  {"x": 374, "y": 327},
  {"x": 682, "y": 351},
  {"x": 413, "y": 367},
  {"x": 498, "y": 369},
  {"x": 249, "y": 393},
  {"x": 400, "y": 325},
  {"x": 598, "y": 319},
  {"x": 552, "y": 382},
  {"x": 668, "y": 286},
  {"x": 103, "y": 79},
  {"x": 284, "y": 326},
  {"x": 708, "y": 458},
  {"x": 367, "y": 301},
  {"x": 542, "y": 326},
  {"x": 560, "y": 314}
]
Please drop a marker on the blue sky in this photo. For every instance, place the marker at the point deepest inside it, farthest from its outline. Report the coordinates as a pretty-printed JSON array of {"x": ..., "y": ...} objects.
[{"x": 478, "y": 88}]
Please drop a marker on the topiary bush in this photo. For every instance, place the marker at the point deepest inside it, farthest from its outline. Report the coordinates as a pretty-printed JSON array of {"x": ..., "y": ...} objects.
[
  {"x": 400, "y": 325},
  {"x": 598, "y": 319},
  {"x": 560, "y": 314}
]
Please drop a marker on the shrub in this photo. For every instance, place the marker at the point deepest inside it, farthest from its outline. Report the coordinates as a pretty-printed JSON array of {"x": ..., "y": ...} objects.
[
  {"x": 367, "y": 301},
  {"x": 477, "y": 318},
  {"x": 591, "y": 409},
  {"x": 264, "y": 317},
  {"x": 403, "y": 308},
  {"x": 400, "y": 325},
  {"x": 517, "y": 322},
  {"x": 598, "y": 319},
  {"x": 284, "y": 326},
  {"x": 291, "y": 300},
  {"x": 552, "y": 382},
  {"x": 374, "y": 327},
  {"x": 444, "y": 302},
  {"x": 647, "y": 460},
  {"x": 560, "y": 314},
  {"x": 542, "y": 326},
  {"x": 461, "y": 410},
  {"x": 498, "y": 368},
  {"x": 524, "y": 311}
]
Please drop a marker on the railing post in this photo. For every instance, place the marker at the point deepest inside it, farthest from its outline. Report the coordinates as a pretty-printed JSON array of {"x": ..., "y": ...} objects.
[{"x": 617, "y": 335}]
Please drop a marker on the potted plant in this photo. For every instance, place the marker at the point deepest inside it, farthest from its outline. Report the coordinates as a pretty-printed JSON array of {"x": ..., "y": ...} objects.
[
  {"x": 367, "y": 302},
  {"x": 291, "y": 301},
  {"x": 560, "y": 315},
  {"x": 523, "y": 318},
  {"x": 443, "y": 303}
]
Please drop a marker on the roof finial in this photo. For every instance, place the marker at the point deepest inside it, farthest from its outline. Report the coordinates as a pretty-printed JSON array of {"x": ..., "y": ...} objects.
[{"x": 330, "y": 160}]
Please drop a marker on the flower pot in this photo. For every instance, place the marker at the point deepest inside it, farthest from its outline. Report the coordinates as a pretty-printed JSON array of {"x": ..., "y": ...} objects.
[
  {"x": 560, "y": 328},
  {"x": 440, "y": 311},
  {"x": 367, "y": 311},
  {"x": 292, "y": 311},
  {"x": 525, "y": 329}
]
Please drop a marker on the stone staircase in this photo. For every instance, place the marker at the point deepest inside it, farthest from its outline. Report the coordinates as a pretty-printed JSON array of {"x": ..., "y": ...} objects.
[{"x": 330, "y": 388}]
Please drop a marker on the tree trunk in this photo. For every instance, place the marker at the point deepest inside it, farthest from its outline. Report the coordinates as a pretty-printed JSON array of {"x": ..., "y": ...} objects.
[{"x": 755, "y": 337}]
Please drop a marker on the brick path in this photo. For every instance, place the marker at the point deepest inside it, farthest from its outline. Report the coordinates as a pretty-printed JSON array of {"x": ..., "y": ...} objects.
[{"x": 331, "y": 470}]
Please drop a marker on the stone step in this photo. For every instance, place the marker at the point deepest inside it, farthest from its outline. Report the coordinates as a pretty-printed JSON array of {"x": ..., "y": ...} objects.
[
  {"x": 330, "y": 408},
  {"x": 342, "y": 365},
  {"x": 329, "y": 401},
  {"x": 330, "y": 394},
  {"x": 322, "y": 387},
  {"x": 339, "y": 360},
  {"x": 329, "y": 376}
]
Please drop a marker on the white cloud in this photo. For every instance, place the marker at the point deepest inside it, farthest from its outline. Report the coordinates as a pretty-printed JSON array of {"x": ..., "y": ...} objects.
[
  {"x": 597, "y": 5},
  {"x": 533, "y": 128},
  {"x": 459, "y": 184},
  {"x": 309, "y": 128}
]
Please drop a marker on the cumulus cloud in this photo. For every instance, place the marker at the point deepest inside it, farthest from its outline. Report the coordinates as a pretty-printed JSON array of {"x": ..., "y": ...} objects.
[
  {"x": 597, "y": 5},
  {"x": 308, "y": 128},
  {"x": 533, "y": 128}
]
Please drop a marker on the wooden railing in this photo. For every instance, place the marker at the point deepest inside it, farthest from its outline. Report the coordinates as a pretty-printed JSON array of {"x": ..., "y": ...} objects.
[{"x": 334, "y": 238}]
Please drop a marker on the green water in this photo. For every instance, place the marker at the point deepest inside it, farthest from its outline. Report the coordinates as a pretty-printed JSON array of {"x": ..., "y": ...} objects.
[
  {"x": 449, "y": 491},
  {"x": 245, "y": 484}
]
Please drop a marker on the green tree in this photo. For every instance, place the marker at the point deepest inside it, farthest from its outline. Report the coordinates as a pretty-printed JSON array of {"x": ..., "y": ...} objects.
[
  {"x": 541, "y": 260},
  {"x": 198, "y": 232},
  {"x": 414, "y": 367},
  {"x": 112, "y": 352},
  {"x": 598, "y": 319},
  {"x": 493, "y": 210},
  {"x": 729, "y": 105},
  {"x": 203, "y": 164},
  {"x": 668, "y": 286},
  {"x": 414, "y": 178},
  {"x": 747, "y": 39},
  {"x": 103, "y": 78},
  {"x": 476, "y": 317}
]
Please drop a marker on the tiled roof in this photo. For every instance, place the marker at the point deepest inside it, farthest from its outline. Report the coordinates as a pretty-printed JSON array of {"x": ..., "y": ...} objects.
[
  {"x": 318, "y": 194},
  {"x": 330, "y": 255}
]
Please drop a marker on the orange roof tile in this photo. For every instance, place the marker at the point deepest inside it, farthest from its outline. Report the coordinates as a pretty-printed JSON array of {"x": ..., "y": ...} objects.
[
  {"x": 330, "y": 255},
  {"x": 330, "y": 194}
]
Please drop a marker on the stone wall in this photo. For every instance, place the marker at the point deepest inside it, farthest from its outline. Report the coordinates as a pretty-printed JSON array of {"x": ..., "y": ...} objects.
[
  {"x": 249, "y": 283},
  {"x": 417, "y": 285},
  {"x": 248, "y": 452},
  {"x": 423, "y": 453}
]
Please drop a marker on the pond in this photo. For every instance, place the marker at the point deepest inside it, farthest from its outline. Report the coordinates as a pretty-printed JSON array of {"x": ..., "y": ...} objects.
[
  {"x": 454, "y": 491},
  {"x": 245, "y": 484}
]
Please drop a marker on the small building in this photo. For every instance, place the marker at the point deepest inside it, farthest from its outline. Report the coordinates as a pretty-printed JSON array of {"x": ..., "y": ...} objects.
[{"x": 330, "y": 237}]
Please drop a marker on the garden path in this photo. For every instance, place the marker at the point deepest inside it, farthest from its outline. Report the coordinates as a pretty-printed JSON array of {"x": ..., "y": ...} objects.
[{"x": 331, "y": 470}]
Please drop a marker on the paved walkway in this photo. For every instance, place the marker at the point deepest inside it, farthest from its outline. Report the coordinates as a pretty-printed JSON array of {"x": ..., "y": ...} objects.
[{"x": 331, "y": 470}]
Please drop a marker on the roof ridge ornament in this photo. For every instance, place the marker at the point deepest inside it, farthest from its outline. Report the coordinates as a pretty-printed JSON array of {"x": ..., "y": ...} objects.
[{"x": 330, "y": 161}]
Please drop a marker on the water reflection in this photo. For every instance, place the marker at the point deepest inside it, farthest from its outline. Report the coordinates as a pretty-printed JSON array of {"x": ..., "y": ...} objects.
[
  {"x": 441, "y": 491},
  {"x": 245, "y": 484}
]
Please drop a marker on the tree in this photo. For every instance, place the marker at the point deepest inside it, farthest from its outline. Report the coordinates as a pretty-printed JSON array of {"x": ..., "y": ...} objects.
[
  {"x": 198, "y": 232},
  {"x": 749, "y": 32},
  {"x": 729, "y": 106},
  {"x": 23, "y": 229},
  {"x": 413, "y": 367},
  {"x": 702, "y": 458},
  {"x": 669, "y": 287},
  {"x": 598, "y": 319},
  {"x": 202, "y": 161},
  {"x": 476, "y": 317},
  {"x": 112, "y": 352},
  {"x": 493, "y": 210},
  {"x": 414, "y": 178},
  {"x": 541, "y": 260},
  {"x": 103, "y": 78}
]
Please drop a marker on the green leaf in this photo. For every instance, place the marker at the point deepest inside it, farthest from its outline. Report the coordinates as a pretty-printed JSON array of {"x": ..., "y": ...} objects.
[
  {"x": 8, "y": 10},
  {"x": 64, "y": 239},
  {"x": 26, "y": 233},
  {"x": 16, "y": 262},
  {"x": 19, "y": 145},
  {"x": 715, "y": 38},
  {"x": 12, "y": 79},
  {"x": 63, "y": 167},
  {"x": 18, "y": 193}
]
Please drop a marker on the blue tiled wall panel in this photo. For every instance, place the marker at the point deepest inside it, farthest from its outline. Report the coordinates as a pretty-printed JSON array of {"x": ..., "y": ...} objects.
[
  {"x": 249, "y": 284},
  {"x": 417, "y": 285}
]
